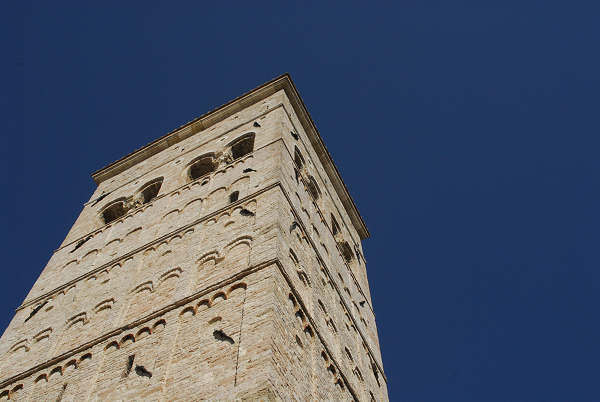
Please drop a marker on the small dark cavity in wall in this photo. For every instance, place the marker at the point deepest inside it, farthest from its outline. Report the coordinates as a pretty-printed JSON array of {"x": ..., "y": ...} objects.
[
  {"x": 293, "y": 226},
  {"x": 233, "y": 197},
  {"x": 248, "y": 170},
  {"x": 256, "y": 124},
  {"x": 35, "y": 310},
  {"x": 222, "y": 336},
  {"x": 142, "y": 372},
  {"x": 129, "y": 365},
  {"x": 296, "y": 136},
  {"x": 245, "y": 212},
  {"x": 362, "y": 303},
  {"x": 81, "y": 243}
]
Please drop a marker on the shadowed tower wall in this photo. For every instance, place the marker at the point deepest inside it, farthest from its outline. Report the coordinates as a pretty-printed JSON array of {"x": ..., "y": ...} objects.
[{"x": 221, "y": 261}]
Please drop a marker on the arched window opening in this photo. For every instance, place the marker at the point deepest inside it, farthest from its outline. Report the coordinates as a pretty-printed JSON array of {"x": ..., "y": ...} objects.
[
  {"x": 242, "y": 146},
  {"x": 335, "y": 228},
  {"x": 114, "y": 211},
  {"x": 201, "y": 167},
  {"x": 346, "y": 251},
  {"x": 150, "y": 190},
  {"x": 298, "y": 159},
  {"x": 313, "y": 188}
]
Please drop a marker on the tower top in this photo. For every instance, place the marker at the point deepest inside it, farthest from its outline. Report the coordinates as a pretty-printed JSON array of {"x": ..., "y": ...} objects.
[{"x": 283, "y": 82}]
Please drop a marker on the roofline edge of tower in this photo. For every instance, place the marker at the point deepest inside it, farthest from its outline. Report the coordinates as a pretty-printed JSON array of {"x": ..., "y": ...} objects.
[{"x": 220, "y": 113}]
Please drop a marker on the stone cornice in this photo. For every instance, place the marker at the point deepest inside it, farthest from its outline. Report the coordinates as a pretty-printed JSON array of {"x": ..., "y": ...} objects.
[{"x": 283, "y": 82}]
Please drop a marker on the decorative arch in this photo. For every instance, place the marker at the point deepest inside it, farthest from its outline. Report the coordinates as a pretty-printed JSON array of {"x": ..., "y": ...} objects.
[
  {"x": 114, "y": 345},
  {"x": 104, "y": 305},
  {"x": 127, "y": 339},
  {"x": 78, "y": 318},
  {"x": 22, "y": 344},
  {"x": 142, "y": 333},
  {"x": 235, "y": 287},
  {"x": 189, "y": 310},
  {"x": 204, "y": 304},
  {"x": 56, "y": 370},
  {"x": 45, "y": 334},
  {"x": 220, "y": 295},
  {"x": 172, "y": 273},
  {"x": 159, "y": 325},
  {"x": 40, "y": 378},
  {"x": 71, "y": 365},
  {"x": 145, "y": 286}
]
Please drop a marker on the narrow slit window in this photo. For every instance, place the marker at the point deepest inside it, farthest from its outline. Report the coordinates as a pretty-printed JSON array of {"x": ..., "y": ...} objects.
[
  {"x": 335, "y": 228},
  {"x": 313, "y": 188},
  {"x": 298, "y": 158}
]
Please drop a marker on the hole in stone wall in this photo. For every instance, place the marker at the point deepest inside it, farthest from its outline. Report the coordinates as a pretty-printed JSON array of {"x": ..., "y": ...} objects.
[
  {"x": 222, "y": 336},
  {"x": 142, "y": 372},
  {"x": 129, "y": 365},
  {"x": 233, "y": 197},
  {"x": 245, "y": 212}
]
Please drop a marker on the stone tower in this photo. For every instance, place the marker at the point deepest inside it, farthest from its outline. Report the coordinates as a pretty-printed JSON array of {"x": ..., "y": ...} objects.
[{"x": 221, "y": 261}]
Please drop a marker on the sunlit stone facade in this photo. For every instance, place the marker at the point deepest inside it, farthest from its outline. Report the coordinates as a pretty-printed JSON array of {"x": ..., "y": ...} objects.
[{"x": 221, "y": 261}]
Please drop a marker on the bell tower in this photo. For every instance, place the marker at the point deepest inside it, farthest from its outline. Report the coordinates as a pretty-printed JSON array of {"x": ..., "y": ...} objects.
[{"x": 221, "y": 261}]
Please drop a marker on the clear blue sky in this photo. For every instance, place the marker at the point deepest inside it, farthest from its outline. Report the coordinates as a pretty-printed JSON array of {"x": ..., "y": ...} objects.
[{"x": 467, "y": 133}]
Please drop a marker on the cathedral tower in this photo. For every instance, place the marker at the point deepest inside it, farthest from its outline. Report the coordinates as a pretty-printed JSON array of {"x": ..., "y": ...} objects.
[{"x": 220, "y": 261}]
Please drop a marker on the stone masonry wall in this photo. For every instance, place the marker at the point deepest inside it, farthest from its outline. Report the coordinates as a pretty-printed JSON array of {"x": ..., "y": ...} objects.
[{"x": 247, "y": 282}]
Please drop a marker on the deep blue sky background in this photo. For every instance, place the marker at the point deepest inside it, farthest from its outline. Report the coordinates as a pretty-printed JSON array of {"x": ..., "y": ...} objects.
[{"x": 467, "y": 133}]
